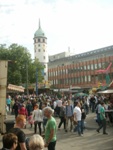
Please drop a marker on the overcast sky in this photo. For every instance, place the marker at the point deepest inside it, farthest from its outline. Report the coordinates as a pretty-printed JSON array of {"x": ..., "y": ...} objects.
[{"x": 82, "y": 25}]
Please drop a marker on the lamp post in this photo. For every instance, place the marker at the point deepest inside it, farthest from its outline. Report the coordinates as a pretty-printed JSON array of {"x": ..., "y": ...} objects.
[
  {"x": 36, "y": 81},
  {"x": 27, "y": 79}
]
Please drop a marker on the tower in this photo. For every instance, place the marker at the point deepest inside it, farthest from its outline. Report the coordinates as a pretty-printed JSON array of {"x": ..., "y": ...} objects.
[{"x": 40, "y": 49}]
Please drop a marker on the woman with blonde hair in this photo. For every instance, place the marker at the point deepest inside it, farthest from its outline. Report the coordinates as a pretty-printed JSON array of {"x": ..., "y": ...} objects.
[
  {"x": 36, "y": 142},
  {"x": 38, "y": 119}
]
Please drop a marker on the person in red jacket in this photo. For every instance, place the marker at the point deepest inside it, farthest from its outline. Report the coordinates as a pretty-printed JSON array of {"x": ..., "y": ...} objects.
[{"x": 23, "y": 111}]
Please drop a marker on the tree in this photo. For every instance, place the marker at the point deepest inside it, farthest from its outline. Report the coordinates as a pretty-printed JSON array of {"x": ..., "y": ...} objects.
[{"x": 20, "y": 63}]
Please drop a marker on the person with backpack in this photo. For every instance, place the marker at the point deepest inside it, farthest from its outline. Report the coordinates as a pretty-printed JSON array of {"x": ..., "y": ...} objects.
[{"x": 62, "y": 116}]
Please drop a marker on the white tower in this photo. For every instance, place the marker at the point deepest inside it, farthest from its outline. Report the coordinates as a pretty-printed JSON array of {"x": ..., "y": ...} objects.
[{"x": 40, "y": 49}]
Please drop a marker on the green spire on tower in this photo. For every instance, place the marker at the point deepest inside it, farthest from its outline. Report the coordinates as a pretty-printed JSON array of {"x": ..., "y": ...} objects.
[{"x": 39, "y": 32}]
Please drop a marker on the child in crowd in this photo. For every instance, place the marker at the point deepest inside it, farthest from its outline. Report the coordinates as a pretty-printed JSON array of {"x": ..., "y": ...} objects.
[{"x": 30, "y": 120}]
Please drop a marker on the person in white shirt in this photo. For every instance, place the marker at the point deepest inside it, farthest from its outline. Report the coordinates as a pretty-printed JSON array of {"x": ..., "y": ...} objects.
[
  {"x": 38, "y": 119},
  {"x": 59, "y": 105},
  {"x": 77, "y": 116}
]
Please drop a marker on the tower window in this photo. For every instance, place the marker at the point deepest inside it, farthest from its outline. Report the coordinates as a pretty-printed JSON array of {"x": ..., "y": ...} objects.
[
  {"x": 35, "y": 50},
  {"x": 43, "y": 40},
  {"x": 44, "y": 57},
  {"x": 38, "y": 50},
  {"x": 38, "y": 40}
]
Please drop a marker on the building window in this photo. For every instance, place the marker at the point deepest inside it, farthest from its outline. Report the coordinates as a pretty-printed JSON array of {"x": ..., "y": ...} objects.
[
  {"x": 43, "y": 50},
  {"x": 39, "y": 45},
  {"x": 100, "y": 65},
  {"x": 89, "y": 78},
  {"x": 85, "y": 78},
  {"x": 38, "y": 40},
  {"x": 82, "y": 79},
  {"x": 88, "y": 67},
  {"x": 92, "y": 67},
  {"x": 44, "y": 57},
  {"x": 38, "y": 50},
  {"x": 43, "y": 40},
  {"x": 95, "y": 66},
  {"x": 84, "y": 67}
]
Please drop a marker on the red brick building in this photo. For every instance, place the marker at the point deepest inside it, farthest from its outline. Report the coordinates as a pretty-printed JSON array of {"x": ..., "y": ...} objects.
[{"x": 80, "y": 70}]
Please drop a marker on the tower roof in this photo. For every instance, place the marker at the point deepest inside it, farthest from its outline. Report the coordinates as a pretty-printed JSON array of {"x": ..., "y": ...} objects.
[{"x": 39, "y": 32}]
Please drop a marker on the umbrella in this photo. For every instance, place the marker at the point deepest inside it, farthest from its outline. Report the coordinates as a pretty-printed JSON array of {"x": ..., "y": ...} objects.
[{"x": 81, "y": 94}]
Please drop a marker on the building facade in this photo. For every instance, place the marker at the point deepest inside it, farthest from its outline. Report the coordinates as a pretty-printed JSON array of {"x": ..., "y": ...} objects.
[
  {"x": 40, "y": 50},
  {"x": 81, "y": 69}
]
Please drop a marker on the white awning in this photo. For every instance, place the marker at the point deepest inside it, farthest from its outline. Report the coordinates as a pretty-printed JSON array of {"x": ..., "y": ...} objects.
[
  {"x": 106, "y": 91},
  {"x": 16, "y": 88}
]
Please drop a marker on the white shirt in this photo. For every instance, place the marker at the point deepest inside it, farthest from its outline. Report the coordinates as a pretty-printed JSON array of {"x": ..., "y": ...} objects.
[
  {"x": 78, "y": 113},
  {"x": 59, "y": 103},
  {"x": 38, "y": 115},
  {"x": 54, "y": 104}
]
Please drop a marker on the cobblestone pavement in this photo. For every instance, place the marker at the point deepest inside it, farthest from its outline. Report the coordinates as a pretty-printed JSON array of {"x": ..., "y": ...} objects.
[{"x": 90, "y": 141}]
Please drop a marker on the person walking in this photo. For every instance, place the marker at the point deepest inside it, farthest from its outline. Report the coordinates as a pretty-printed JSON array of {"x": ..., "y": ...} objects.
[
  {"x": 38, "y": 119},
  {"x": 103, "y": 119},
  {"x": 69, "y": 115},
  {"x": 62, "y": 116},
  {"x": 29, "y": 107},
  {"x": 50, "y": 130},
  {"x": 77, "y": 118}
]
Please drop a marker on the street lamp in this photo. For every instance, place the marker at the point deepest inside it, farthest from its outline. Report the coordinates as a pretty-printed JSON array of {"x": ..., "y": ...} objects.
[
  {"x": 27, "y": 79},
  {"x": 36, "y": 81}
]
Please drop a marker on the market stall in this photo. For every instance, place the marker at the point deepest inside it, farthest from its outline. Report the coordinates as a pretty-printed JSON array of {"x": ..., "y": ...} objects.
[{"x": 14, "y": 88}]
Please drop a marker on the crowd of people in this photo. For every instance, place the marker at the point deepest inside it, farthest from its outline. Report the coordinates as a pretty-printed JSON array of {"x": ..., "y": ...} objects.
[{"x": 41, "y": 111}]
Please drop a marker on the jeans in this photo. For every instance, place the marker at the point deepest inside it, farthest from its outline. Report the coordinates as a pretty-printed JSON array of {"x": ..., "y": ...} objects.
[
  {"x": 79, "y": 127},
  {"x": 93, "y": 107},
  {"x": 52, "y": 145},
  {"x": 82, "y": 126},
  {"x": 103, "y": 125},
  {"x": 98, "y": 119}
]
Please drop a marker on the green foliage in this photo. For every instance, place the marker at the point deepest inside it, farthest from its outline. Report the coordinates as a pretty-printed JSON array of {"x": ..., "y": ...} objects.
[{"x": 20, "y": 64}]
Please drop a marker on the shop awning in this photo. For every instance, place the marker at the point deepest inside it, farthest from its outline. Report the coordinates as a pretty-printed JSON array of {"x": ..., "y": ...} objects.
[
  {"x": 106, "y": 91},
  {"x": 16, "y": 88}
]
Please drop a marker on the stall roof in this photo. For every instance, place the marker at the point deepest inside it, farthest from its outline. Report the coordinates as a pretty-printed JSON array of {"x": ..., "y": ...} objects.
[
  {"x": 16, "y": 88},
  {"x": 106, "y": 91}
]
